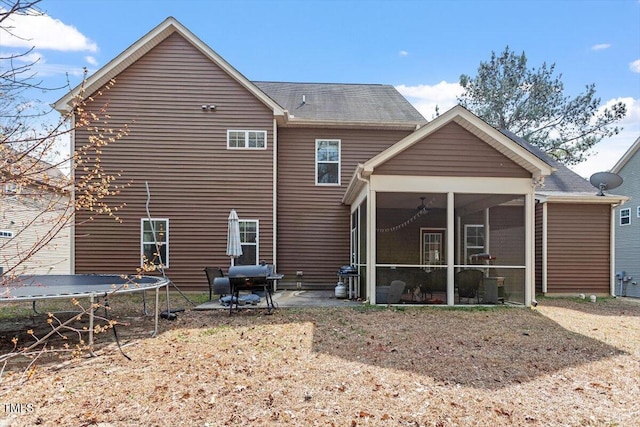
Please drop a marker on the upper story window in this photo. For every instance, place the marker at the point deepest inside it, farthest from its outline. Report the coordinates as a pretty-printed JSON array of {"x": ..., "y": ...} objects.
[
  {"x": 327, "y": 162},
  {"x": 154, "y": 241},
  {"x": 625, "y": 216},
  {"x": 638, "y": 213},
  {"x": 250, "y": 139},
  {"x": 7, "y": 234}
]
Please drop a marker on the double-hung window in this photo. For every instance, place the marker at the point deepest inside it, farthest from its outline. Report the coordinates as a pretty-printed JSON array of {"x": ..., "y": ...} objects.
[
  {"x": 249, "y": 242},
  {"x": 625, "y": 216},
  {"x": 473, "y": 240},
  {"x": 6, "y": 234},
  {"x": 327, "y": 162},
  {"x": 154, "y": 242},
  {"x": 247, "y": 139},
  {"x": 10, "y": 189}
]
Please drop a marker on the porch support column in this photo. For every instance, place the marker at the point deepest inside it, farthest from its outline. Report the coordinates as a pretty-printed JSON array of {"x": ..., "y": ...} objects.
[
  {"x": 450, "y": 249},
  {"x": 544, "y": 247},
  {"x": 371, "y": 246},
  {"x": 529, "y": 277}
]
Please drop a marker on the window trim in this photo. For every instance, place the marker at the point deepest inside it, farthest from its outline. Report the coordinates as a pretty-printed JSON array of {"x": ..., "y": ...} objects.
[
  {"x": 10, "y": 189},
  {"x": 257, "y": 242},
  {"x": 467, "y": 258},
  {"x": 246, "y": 139},
  {"x": 626, "y": 211},
  {"x": 6, "y": 234},
  {"x": 338, "y": 162},
  {"x": 142, "y": 242}
]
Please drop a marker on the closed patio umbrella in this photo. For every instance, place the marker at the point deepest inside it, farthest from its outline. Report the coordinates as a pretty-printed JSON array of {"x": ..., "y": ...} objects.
[{"x": 234, "y": 246}]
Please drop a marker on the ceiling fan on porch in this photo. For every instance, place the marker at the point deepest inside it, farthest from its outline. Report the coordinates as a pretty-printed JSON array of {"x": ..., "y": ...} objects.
[{"x": 422, "y": 205}]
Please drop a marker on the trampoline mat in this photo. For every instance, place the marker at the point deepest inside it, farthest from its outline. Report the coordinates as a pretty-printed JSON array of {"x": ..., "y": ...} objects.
[{"x": 59, "y": 286}]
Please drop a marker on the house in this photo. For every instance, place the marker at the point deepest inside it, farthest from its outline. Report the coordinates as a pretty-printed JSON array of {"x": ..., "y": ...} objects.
[
  {"x": 325, "y": 175},
  {"x": 34, "y": 219},
  {"x": 627, "y": 224}
]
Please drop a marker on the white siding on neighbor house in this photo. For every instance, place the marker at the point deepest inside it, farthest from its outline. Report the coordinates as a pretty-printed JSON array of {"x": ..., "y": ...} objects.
[
  {"x": 29, "y": 223},
  {"x": 628, "y": 236}
]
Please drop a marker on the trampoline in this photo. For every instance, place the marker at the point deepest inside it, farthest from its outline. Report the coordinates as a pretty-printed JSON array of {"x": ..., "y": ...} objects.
[{"x": 44, "y": 287}]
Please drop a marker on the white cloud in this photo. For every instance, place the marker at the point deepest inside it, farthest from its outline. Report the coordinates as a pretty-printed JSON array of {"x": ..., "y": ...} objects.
[
  {"x": 91, "y": 60},
  {"x": 403, "y": 53},
  {"x": 635, "y": 66},
  {"x": 426, "y": 97},
  {"x": 31, "y": 58},
  {"x": 601, "y": 46},
  {"x": 44, "y": 32}
]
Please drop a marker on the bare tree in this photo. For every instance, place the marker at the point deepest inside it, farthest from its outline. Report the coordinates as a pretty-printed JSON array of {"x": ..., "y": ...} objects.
[
  {"x": 43, "y": 185},
  {"x": 32, "y": 156}
]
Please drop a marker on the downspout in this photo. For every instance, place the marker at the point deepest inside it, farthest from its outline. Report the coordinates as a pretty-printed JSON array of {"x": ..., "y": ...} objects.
[
  {"x": 274, "y": 215},
  {"x": 545, "y": 247},
  {"x": 612, "y": 252}
]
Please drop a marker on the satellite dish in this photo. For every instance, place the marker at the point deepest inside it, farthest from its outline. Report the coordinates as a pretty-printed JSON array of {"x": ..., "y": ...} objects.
[{"x": 605, "y": 181}]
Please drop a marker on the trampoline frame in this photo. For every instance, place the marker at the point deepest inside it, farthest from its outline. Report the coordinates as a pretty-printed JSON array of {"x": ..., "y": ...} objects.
[{"x": 117, "y": 285}]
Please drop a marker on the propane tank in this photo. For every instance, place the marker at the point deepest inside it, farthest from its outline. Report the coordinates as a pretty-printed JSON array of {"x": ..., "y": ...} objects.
[{"x": 341, "y": 290}]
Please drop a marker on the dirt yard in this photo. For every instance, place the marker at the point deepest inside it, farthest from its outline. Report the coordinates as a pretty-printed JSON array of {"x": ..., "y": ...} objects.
[{"x": 564, "y": 363}]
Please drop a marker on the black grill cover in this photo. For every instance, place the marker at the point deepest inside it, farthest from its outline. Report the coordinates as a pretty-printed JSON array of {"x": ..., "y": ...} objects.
[{"x": 249, "y": 275}]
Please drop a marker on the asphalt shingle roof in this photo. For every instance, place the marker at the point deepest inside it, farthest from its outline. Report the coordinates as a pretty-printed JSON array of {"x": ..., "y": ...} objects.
[
  {"x": 367, "y": 103},
  {"x": 562, "y": 179}
]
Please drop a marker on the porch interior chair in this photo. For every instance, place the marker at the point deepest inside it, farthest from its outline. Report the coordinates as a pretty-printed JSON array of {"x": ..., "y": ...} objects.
[
  {"x": 396, "y": 289},
  {"x": 436, "y": 282},
  {"x": 212, "y": 273},
  {"x": 468, "y": 283}
]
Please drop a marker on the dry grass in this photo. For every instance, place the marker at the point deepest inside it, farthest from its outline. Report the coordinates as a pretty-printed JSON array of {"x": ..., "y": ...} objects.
[{"x": 566, "y": 363}]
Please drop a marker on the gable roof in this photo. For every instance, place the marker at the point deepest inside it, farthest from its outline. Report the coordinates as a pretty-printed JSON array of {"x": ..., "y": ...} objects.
[
  {"x": 472, "y": 123},
  {"x": 626, "y": 156},
  {"x": 333, "y": 103},
  {"x": 144, "y": 45},
  {"x": 560, "y": 183}
]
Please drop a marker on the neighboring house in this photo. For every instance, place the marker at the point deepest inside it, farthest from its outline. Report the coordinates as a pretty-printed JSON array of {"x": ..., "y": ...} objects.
[
  {"x": 33, "y": 238},
  {"x": 324, "y": 175},
  {"x": 628, "y": 224}
]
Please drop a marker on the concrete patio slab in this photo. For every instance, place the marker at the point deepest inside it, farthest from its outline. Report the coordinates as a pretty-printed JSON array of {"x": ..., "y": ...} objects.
[{"x": 291, "y": 298}]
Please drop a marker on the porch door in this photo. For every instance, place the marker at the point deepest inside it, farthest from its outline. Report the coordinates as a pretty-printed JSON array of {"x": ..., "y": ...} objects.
[
  {"x": 249, "y": 240},
  {"x": 433, "y": 246}
]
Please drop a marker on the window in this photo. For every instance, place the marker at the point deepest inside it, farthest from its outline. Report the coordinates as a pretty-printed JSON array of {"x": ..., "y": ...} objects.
[
  {"x": 10, "y": 189},
  {"x": 252, "y": 139},
  {"x": 473, "y": 240},
  {"x": 327, "y": 161},
  {"x": 249, "y": 241},
  {"x": 638, "y": 213},
  {"x": 625, "y": 216},
  {"x": 7, "y": 234},
  {"x": 155, "y": 242}
]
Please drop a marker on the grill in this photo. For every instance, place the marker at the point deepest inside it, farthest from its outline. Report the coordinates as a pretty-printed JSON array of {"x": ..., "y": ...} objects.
[{"x": 252, "y": 278}]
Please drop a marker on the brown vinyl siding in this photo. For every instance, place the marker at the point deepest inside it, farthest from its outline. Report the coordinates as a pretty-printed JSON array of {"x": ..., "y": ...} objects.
[
  {"x": 313, "y": 224},
  {"x": 452, "y": 151},
  {"x": 182, "y": 152},
  {"x": 578, "y": 248}
]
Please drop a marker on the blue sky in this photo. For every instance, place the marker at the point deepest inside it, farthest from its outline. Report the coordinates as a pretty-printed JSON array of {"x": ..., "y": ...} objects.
[{"x": 421, "y": 47}]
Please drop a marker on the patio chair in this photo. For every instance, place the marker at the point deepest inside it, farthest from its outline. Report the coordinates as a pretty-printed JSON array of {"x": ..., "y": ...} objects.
[
  {"x": 212, "y": 274},
  {"x": 468, "y": 283}
]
